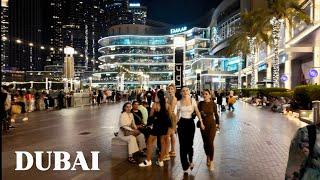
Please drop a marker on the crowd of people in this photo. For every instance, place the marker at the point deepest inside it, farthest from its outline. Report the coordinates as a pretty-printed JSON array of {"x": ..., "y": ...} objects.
[
  {"x": 18, "y": 103},
  {"x": 157, "y": 115},
  {"x": 275, "y": 104}
]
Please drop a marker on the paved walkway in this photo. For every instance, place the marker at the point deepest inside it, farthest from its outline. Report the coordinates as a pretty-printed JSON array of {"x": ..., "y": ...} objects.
[{"x": 253, "y": 144}]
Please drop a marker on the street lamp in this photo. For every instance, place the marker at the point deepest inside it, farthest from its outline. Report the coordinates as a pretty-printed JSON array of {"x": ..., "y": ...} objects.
[
  {"x": 90, "y": 83},
  {"x": 179, "y": 41}
]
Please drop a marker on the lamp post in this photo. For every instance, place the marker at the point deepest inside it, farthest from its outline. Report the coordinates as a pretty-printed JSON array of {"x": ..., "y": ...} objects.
[
  {"x": 69, "y": 64},
  {"x": 90, "y": 83}
]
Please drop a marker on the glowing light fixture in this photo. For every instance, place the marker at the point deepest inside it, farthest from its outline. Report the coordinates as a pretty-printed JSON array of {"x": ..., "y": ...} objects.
[{"x": 179, "y": 41}]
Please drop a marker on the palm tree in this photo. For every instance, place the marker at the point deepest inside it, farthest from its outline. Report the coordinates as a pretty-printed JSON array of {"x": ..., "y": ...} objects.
[
  {"x": 278, "y": 11},
  {"x": 250, "y": 32}
]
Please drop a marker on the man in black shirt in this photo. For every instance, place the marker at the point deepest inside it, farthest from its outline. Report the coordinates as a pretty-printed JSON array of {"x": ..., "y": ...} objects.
[{"x": 138, "y": 119}]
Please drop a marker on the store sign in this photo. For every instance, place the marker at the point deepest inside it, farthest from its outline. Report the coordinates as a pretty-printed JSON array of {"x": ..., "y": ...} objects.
[
  {"x": 284, "y": 78},
  {"x": 178, "y": 30},
  {"x": 313, "y": 73},
  {"x": 198, "y": 83},
  {"x": 178, "y": 69}
]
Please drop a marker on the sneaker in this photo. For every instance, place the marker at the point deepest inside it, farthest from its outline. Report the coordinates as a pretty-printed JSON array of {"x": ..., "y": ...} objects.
[
  {"x": 160, "y": 163},
  {"x": 25, "y": 119},
  {"x": 145, "y": 163},
  {"x": 188, "y": 171},
  {"x": 191, "y": 166}
]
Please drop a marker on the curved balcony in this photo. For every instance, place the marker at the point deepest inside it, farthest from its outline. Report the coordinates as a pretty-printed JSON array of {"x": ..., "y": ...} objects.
[
  {"x": 136, "y": 59},
  {"x": 130, "y": 40}
]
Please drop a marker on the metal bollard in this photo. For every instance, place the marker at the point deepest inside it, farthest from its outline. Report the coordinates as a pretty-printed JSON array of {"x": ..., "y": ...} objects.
[{"x": 316, "y": 112}]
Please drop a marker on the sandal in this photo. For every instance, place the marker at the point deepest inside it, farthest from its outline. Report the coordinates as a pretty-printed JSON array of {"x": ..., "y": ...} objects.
[
  {"x": 131, "y": 160},
  {"x": 172, "y": 154}
]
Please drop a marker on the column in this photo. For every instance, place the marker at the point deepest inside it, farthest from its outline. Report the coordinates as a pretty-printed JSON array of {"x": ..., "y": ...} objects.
[
  {"x": 269, "y": 74},
  {"x": 316, "y": 11},
  {"x": 288, "y": 71},
  {"x": 316, "y": 63},
  {"x": 255, "y": 74},
  {"x": 47, "y": 85}
]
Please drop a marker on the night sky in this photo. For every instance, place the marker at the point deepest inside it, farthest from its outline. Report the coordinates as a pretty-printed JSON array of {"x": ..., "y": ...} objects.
[{"x": 178, "y": 12}]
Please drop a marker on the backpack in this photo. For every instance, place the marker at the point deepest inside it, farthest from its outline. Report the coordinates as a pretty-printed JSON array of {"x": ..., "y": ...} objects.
[
  {"x": 231, "y": 100},
  {"x": 312, "y": 134}
]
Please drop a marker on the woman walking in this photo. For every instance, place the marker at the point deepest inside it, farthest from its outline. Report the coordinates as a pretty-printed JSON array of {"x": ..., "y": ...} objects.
[
  {"x": 160, "y": 126},
  {"x": 207, "y": 109},
  {"x": 219, "y": 100},
  {"x": 172, "y": 102},
  {"x": 130, "y": 133},
  {"x": 186, "y": 128}
]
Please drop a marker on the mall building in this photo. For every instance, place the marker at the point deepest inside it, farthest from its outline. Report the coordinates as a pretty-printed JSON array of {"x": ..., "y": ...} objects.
[
  {"x": 299, "y": 45},
  {"x": 143, "y": 55}
]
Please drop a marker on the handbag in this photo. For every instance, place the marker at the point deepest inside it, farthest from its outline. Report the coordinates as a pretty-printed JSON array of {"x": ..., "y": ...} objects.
[
  {"x": 15, "y": 109},
  {"x": 198, "y": 124},
  {"x": 128, "y": 132},
  {"x": 193, "y": 115}
]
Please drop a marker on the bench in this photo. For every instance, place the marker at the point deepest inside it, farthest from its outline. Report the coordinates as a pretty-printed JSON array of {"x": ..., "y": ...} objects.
[{"x": 119, "y": 148}]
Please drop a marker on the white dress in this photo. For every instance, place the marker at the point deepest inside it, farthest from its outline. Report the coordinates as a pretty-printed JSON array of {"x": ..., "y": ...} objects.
[{"x": 127, "y": 121}]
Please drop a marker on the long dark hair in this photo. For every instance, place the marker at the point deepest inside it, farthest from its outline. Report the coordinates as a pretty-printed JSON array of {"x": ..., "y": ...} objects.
[
  {"x": 162, "y": 101},
  {"x": 124, "y": 106},
  {"x": 209, "y": 92}
]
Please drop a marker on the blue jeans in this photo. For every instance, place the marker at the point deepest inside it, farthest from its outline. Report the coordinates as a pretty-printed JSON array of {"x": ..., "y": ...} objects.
[{"x": 231, "y": 106}]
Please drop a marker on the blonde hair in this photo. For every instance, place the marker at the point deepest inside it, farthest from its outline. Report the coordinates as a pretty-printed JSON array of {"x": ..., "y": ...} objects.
[
  {"x": 172, "y": 85},
  {"x": 169, "y": 96}
]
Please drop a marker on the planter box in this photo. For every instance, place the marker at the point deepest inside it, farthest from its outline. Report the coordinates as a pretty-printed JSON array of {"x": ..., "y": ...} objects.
[{"x": 306, "y": 116}]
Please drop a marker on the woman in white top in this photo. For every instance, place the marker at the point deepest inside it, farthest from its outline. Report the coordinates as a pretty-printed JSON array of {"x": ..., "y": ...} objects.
[
  {"x": 129, "y": 132},
  {"x": 186, "y": 128}
]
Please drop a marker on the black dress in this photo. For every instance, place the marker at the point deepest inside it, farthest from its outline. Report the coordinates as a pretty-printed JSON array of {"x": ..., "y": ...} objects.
[{"x": 161, "y": 124}]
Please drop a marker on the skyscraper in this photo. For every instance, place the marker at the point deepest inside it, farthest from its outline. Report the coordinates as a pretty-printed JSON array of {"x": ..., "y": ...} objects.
[
  {"x": 78, "y": 24},
  {"x": 139, "y": 13},
  {"x": 117, "y": 12},
  {"x": 4, "y": 33},
  {"x": 25, "y": 35},
  {"x": 55, "y": 35},
  {"x": 123, "y": 12}
]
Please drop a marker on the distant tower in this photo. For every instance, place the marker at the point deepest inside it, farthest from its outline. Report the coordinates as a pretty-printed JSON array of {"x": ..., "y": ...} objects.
[{"x": 4, "y": 34}]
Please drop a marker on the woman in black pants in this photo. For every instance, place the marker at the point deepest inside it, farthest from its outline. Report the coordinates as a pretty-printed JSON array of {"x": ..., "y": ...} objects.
[
  {"x": 209, "y": 113},
  {"x": 186, "y": 128}
]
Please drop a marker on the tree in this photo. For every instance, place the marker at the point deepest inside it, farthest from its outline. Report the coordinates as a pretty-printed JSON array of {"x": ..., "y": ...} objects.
[
  {"x": 278, "y": 11},
  {"x": 250, "y": 32}
]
